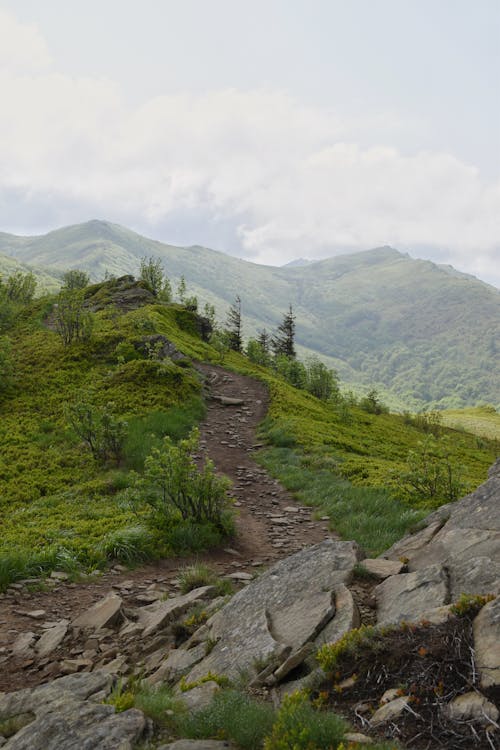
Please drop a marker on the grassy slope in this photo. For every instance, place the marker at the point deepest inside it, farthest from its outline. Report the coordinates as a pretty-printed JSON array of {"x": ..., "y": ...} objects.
[
  {"x": 46, "y": 283},
  {"x": 483, "y": 421},
  {"x": 56, "y": 501},
  {"x": 426, "y": 332}
]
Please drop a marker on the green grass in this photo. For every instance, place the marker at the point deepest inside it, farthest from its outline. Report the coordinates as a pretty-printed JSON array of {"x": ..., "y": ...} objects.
[
  {"x": 483, "y": 421},
  {"x": 370, "y": 516},
  {"x": 233, "y": 716}
]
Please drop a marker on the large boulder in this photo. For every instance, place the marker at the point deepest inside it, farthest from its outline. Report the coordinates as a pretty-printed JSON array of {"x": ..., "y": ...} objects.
[{"x": 277, "y": 614}]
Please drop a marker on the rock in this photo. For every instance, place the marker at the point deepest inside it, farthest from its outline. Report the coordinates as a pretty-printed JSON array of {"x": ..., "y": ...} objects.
[
  {"x": 346, "y": 617},
  {"x": 255, "y": 627},
  {"x": 59, "y": 575},
  {"x": 51, "y": 639},
  {"x": 200, "y": 697},
  {"x": 72, "y": 666},
  {"x": 23, "y": 644},
  {"x": 486, "y": 629},
  {"x": 177, "y": 664},
  {"x": 389, "y": 696},
  {"x": 472, "y": 706},
  {"x": 464, "y": 537},
  {"x": 227, "y": 400},
  {"x": 36, "y": 614},
  {"x": 159, "y": 614},
  {"x": 292, "y": 662},
  {"x": 408, "y": 595},
  {"x": 240, "y": 576},
  {"x": 105, "y": 613},
  {"x": 65, "y": 718},
  {"x": 382, "y": 569},
  {"x": 390, "y": 711}
]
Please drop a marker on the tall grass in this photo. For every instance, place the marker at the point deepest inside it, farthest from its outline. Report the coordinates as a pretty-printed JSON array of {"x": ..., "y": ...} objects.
[{"x": 370, "y": 516}]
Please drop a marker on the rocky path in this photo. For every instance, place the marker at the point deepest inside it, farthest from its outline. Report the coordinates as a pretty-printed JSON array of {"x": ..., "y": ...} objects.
[{"x": 270, "y": 525}]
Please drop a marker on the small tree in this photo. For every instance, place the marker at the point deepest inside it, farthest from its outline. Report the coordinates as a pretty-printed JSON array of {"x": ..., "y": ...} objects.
[
  {"x": 233, "y": 328},
  {"x": 153, "y": 274},
  {"x": 102, "y": 432},
  {"x": 320, "y": 381},
  {"x": 73, "y": 321},
  {"x": 292, "y": 370},
  {"x": 181, "y": 290},
  {"x": 432, "y": 476},
  {"x": 283, "y": 342},
  {"x": 220, "y": 342},
  {"x": 75, "y": 279},
  {"x": 209, "y": 313},
  {"x": 20, "y": 287},
  {"x": 257, "y": 354}
]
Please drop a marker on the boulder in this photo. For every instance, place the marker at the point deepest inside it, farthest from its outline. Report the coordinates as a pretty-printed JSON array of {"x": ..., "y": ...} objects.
[
  {"x": 156, "y": 616},
  {"x": 64, "y": 717},
  {"x": 390, "y": 711},
  {"x": 380, "y": 568},
  {"x": 346, "y": 617},
  {"x": 51, "y": 639},
  {"x": 200, "y": 696},
  {"x": 486, "y": 629},
  {"x": 105, "y": 613},
  {"x": 278, "y": 612},
  {"x": 409, "y": 595},
  {"x": 472, "y": 706}
]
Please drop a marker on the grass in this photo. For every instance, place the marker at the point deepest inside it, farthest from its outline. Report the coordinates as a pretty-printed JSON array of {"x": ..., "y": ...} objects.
[
  {"x": 196, "y": 575},
  {"x": 233, "y": 716},
  {"x": 483, "y": 421},
  {"x": 371, "y": 516}
]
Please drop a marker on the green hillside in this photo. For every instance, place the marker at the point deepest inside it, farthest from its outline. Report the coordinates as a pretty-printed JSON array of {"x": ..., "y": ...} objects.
[
  {"x": 426, "y": 333},
  {"x": 45, "y": 282},
  {"x": 61, "y": 507}
]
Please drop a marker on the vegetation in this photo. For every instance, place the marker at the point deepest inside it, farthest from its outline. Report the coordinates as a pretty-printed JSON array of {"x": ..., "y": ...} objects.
[
  {"x": 152, "y": 273},
  {"x": 75, "y": 279},
  {"x": 73, "y": 322}
]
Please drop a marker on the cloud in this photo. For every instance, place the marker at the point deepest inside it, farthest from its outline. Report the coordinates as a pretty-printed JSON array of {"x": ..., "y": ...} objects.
[{"x": 279, "y": 179}]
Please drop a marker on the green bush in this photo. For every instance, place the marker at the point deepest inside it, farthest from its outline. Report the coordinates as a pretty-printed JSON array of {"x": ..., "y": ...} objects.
[
  {"x": 128, "y": 545},
  {"x": 299, "y": 726},
  {"x": 232, "y": 716},
  {"x": 173, "y": 485},
  {"x": 103, "y": 433}
]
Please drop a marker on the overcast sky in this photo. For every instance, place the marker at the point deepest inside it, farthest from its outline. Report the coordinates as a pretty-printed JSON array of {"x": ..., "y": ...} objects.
[{"x": 269, "y": 129}]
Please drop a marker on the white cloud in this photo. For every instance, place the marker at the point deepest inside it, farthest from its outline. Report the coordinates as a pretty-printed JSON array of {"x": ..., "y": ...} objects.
[{"x": 290, "y": 179}]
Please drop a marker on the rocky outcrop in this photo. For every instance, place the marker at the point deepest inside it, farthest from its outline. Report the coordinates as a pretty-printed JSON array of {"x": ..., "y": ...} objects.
[
  {"x": 68, "y": 714},
  {"x": 461, "y": 539}
]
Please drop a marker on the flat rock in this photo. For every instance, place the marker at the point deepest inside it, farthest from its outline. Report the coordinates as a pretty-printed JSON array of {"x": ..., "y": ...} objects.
[
  {"x": 177, "y": 664},
  {"x": 478, "y": 575},
  {"x": 255, "y": 625},
  {"x": 105, "y": 613},
  {"x": 472, "y": 706},
  {"x": 346, "y": 617},
  {"x": 486, "y": 629},
  {"x": 51, "y": 639},
  {"x": 408, "y": 595},
  {"x": 390, "y": 711},
  {"x": 23, "y": 644},
  {"x": 156, "y": 616},
  {"x": 357, "y": 738},
  {"x": 382, "y": 569},
  {"x": 66, "y": 718},
  {"x": 200, "y": 696}
]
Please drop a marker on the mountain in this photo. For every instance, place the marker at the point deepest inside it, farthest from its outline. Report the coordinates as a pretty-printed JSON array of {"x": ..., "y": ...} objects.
[{"x": 427, "y": 332}]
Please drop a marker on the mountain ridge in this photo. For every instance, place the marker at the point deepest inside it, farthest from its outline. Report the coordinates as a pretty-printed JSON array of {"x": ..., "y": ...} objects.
[{"x": 425, "y": 331}]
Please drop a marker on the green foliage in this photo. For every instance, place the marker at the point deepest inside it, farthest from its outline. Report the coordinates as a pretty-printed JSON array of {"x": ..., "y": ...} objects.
[
  {"x": 172, "y": 485},
  {"x": 258, "y": 352},
  {"x": 291, "y": 370},
  {"x": 20, "y": 287},
  {"x": 73, "y": 322},
  {"x": 152, "y": 273},
  {"x": 186, "y": 537},
  {"x": 159, "y": 704},
  {"x": 283, "y": 341},
  {"x": 102, "y": 432},
  {"x": 128, "y": 545},
  {"x": 470, "y": 604},
  {"x": 371, "y": 403},
  {"x": 349, "y": 645},
  {"x": 193, "y": 576},
  {"x": 219, "y": 341},
  {"x": 433, "y": 474},
  {"x": 6, "y": 363},
  {"x": 321, "y": 381},
  {"x": 233, "y": 326},
  {"x": 233, "y": 716},
  {"x": 75, "y": 279},
  {"x": 300, "y": 726}
]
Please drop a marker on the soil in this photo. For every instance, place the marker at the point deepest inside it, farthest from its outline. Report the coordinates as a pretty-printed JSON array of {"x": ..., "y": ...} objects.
[{"x": 270, "y": 525}]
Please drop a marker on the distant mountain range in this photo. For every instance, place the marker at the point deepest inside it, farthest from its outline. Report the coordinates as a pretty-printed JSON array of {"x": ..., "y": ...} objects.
[{"x": 428, "y": 333}]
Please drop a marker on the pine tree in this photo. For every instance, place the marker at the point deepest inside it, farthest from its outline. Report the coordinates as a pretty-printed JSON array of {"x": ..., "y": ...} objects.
[
  {"x": 234, "y": 326},
  {"x": 264, "y": 340},
  {"x": 283, "y": 342}
]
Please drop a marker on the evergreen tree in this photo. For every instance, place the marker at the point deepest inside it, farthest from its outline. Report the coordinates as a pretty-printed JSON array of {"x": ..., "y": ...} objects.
[
  {"x": 283, "y": 342},
  {"x": 264, "y": 340},
  {"x": 234, "y": 326}
]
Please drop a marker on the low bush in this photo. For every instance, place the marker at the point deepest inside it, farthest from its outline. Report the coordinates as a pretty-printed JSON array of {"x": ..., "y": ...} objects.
[{"x": 300, "y": 726}]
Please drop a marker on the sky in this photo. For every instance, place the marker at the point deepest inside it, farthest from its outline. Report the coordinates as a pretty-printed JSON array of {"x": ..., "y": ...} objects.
[{"x": 268, "y": 129}]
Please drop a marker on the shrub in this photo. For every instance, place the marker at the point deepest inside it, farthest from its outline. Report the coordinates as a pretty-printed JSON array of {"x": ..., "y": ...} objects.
[
  {"x": 232, "y": 716},
  {"x": 75, "y": 279},
  {"x": 173, "y": 484},
  {"x": 101, "y": 432},
  {"x": 156, "y": 701},
  {"x": 151, "y": 272},
  {"x": 128, "y": 545},
  {"x": 299, "y": 726},
  {"x": 73, "y": 322},
  {"x": 193, "y": 576},
  {"x": 6, "y": 365},
  {"x": 321, "y": 381}
]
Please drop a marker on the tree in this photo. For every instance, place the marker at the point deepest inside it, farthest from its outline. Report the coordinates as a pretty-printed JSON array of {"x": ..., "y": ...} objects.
[
  {"x": 20, "y": 287},
  {"x": 283, "y": 342},
  {"x": 181, "y": 290},
  {"x": 234, "y": 326},
  {"x": 73, "y": 321},
  {"x": 153, "y": 274},
  {"x": 75, "y": 279},
  {"x": 257, "y": 354},
  {"x": 320, "y": 381},
  {"x": 102, "y": 433},
  {"x": 292, "y": 370}
]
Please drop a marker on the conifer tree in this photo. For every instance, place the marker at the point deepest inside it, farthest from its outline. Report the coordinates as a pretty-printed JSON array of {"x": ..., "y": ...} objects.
[
  {"x": 283, "y": 342},
  {"x": 234, "y": 326}
]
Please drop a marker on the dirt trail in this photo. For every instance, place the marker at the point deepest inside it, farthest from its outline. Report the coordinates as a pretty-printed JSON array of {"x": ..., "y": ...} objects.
[{"x": 270, "y": 525}]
